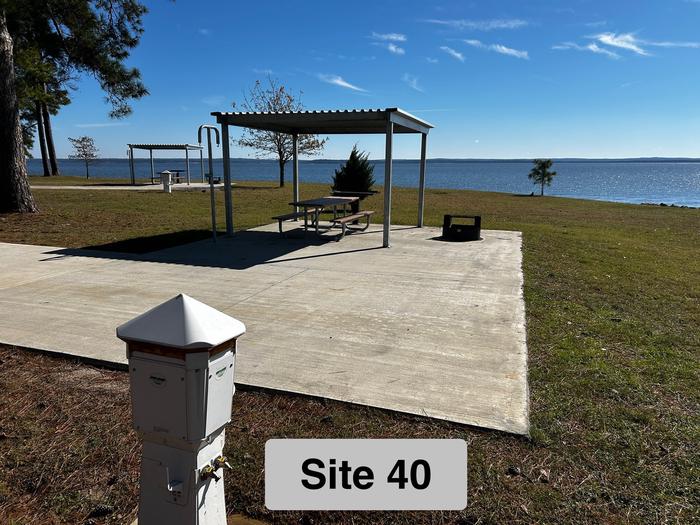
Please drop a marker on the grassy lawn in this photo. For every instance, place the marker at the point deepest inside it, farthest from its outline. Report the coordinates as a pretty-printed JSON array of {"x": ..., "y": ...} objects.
[
  {"x": 613, "y": 314},
  {"x": 71, "y": 180}
]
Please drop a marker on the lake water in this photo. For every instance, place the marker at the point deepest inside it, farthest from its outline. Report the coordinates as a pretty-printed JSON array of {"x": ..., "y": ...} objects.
[{"x": 669, "y": 182}]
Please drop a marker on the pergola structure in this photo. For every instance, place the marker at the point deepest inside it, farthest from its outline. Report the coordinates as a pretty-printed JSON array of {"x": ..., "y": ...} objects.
[
  {"x": 361, "y": 121},
  {"x": 172, "y": 147}
]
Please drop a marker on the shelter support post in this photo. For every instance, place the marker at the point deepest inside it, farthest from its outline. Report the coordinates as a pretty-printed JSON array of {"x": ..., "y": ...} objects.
[
  {"x": 421, "y": 185},
  {"x": 153, "y": 169},
  {"x": 295, "y": 170},
  {"x": 187, "y": 162},
  {"x": 201, "y": 164},
  {"x": 387, "y": 182},
  {"x": 227, "y": 179},
  {"x": 131, "y": 165}
]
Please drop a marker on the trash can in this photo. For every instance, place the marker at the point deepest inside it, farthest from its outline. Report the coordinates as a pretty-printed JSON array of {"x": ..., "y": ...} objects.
[
  {"x": 166, "y": 180},
  {"x": 461, "y": 232}
]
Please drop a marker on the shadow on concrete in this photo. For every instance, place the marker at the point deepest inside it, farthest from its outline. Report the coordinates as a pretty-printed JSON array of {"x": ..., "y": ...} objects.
[
  {"x": 243, "y": 250},
  {"x": 153, "y": 243}
]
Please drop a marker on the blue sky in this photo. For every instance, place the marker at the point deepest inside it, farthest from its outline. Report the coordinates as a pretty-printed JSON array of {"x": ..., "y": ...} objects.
[{"x": 498, "y": 79}]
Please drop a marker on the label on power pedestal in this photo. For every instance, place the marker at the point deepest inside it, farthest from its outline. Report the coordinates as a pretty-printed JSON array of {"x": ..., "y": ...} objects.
[{"x": 366, "y": 474}]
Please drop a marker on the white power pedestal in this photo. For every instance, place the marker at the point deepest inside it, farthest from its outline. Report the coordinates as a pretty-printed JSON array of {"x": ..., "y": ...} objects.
[{"x": 181, "y": 367}]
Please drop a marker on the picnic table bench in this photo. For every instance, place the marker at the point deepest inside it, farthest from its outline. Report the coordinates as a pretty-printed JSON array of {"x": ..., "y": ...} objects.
[
  {"x": 348, "y": 219},
  {"x": 295, "y": 215}
]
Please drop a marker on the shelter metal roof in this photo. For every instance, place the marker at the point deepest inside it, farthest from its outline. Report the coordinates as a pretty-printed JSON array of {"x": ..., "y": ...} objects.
[
  {"x": 166, "y": 146},
  {"x": 350, "y": 121}
]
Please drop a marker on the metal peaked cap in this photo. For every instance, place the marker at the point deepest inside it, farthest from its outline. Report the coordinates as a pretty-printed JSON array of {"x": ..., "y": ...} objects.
[{"x": 182, "y": 322}]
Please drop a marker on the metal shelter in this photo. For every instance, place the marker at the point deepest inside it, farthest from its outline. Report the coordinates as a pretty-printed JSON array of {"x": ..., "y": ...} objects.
[
  {"x": 172, "y": 147},
  {"x": 359, "y": 121}
]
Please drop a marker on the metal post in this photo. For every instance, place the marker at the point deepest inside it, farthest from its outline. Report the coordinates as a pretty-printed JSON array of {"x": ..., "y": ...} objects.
[
  {"x": 211, "y": 171},
  {"x": 201, "y": 162},
  {"x": 153, "y": 170},
  {"x": 131, "y": 165},
  {"x": 227, "y": 179},
  {"x": 421, "y": 185},
  {"x": 295, "y": 169},
  {"x": 187, "y": 161},
  {"x": 387, "y": 182},
  {"x": 211, "y": 184}
]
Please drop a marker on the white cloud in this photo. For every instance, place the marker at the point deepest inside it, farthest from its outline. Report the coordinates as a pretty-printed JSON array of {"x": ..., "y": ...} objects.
[
  {"x": 595, "y": 48},
  {"x": 499, "y": 48},
  {"x": 412, "y": 82},
  {"x": 630, "y": 42},
  {"x": 387, "y": 41},
  {"x": 454, "y": 54},
  {"x": 481, "y": 25},
  {"x": 431, "y": 60},
  {"x": 391, "y": 47},
  {"x": 337, "y": 80},
  {"x": 517, "y": 53},
  {"x": 622, "y": 41},
  {"x": 393, "y": 37},
  {"x": 263, "y": 71},
  {"x": 592, "y": 47},
  {"x": 692, "y": 45},
  {"x": 204, "y": 31},
  {"x": 102, "y": 125}
]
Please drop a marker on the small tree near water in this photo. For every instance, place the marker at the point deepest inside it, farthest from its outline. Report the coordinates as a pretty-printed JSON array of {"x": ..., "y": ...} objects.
[
  {"x": 85, "y": 150},
  {"x": 357, "y": 174},
  {"x": 540, "y": 173}
]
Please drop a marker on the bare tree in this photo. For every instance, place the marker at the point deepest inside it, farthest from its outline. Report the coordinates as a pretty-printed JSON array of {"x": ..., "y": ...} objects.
[
  {"x": 274, "y": 97},
  {"x": 85, "y": 150}
]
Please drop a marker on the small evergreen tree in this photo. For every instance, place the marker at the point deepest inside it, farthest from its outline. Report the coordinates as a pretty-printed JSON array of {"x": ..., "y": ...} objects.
[
  {"x": 540, "y": 173},
  {"x": 85, "y": 150},
  {"x": 357, "y": 174}
]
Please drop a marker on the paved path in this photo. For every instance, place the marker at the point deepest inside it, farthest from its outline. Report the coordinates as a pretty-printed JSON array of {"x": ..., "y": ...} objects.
[{"x": 425, "y": 327}]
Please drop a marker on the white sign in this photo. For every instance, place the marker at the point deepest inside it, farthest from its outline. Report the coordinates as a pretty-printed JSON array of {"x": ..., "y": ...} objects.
[{"x": 366, "y": 474}]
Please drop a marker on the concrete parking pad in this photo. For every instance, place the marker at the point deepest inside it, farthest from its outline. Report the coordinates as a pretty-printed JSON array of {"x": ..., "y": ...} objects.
[{"x": 426, "y": 327}]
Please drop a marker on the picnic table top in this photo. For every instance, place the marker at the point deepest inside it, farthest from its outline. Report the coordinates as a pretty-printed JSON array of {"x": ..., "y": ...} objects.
[{"x": 325, "y": 201}]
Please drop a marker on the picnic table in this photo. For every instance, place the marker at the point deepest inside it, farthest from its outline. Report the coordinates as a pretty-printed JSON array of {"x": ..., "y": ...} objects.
[{"x": 319, "y": 204}]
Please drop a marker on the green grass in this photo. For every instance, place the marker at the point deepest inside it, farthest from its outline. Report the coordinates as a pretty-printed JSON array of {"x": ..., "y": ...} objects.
[
  {"x": 72, "y": 180},
  {"x": 612, "y": 297}
]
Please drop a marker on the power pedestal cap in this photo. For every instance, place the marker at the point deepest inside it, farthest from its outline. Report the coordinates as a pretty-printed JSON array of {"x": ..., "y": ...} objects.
[{"x": 182, "y": 322}]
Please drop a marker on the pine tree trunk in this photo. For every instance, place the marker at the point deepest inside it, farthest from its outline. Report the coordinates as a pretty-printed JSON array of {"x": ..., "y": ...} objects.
[
  {"x": 542, "y": 189},
  {"x": 15, "y": 193},
  {"x": 42, "y": 140},
  {"x": 49, "y": 139},
  {"x": 87, "y": 170},
  {"x": 282, "y": 163}
]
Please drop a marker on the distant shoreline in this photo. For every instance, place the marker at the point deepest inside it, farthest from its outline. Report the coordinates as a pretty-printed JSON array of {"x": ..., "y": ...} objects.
[{"x": 446, "y": 159}]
